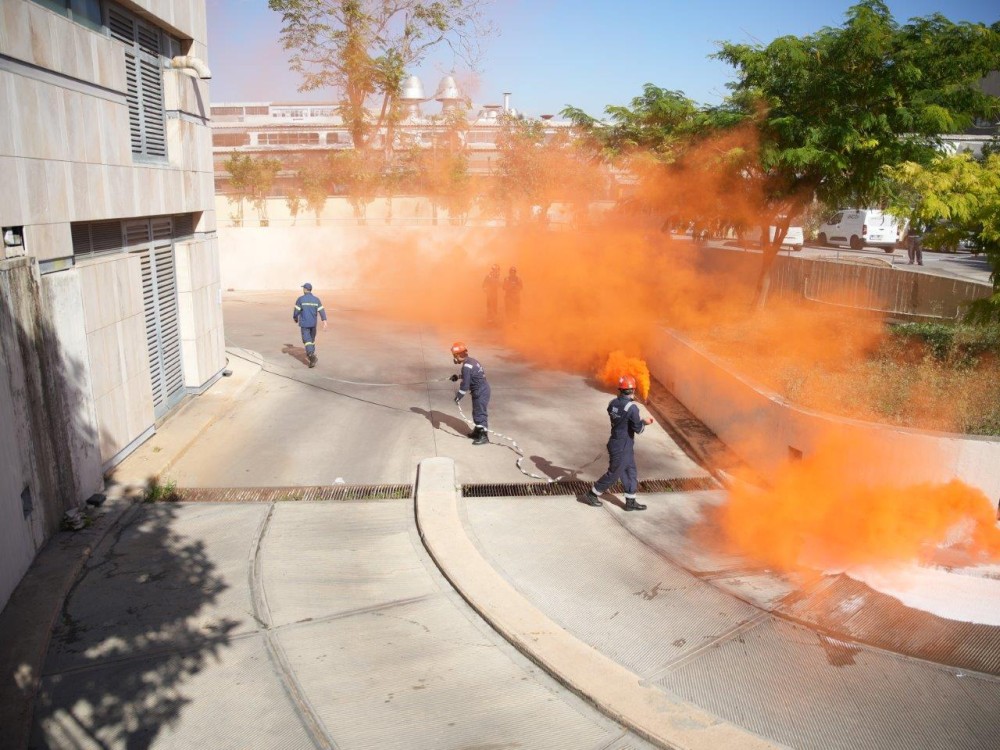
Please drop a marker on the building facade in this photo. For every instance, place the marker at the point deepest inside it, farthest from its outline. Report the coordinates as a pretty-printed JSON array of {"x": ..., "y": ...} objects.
[
  {"x": 110, "y": 308},
  {"x": 293, "y": 131}
]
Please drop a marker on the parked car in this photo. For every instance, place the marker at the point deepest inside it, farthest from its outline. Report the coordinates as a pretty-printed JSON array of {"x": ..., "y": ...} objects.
[
  {"x": 794, "y": 238},
  {"x": 861, "y": 227}
]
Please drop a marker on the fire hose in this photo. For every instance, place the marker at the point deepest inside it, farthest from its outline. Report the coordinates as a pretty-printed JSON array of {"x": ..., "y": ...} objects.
[
  {"x": 508, "y": 443},
  {"x": 520, "y": 454}
]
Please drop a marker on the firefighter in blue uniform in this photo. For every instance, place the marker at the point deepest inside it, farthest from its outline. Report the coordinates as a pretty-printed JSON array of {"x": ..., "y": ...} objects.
[
  {"x": 491, "y": 285},
  {"x": 473, "y": 379},
  {"x": 512, "y": 295},
  {"x": 625, "y": 425},
  {"x": 307, "y": 310}
]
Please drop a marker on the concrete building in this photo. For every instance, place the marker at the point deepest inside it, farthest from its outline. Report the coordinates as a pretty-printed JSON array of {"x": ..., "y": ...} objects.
[
  {"x": 291, "y": 131},
  {"x": 109, "y": 286}
]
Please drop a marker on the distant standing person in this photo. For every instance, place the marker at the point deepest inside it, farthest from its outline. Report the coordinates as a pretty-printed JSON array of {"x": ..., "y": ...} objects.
[
  {"x": 491, "y": 285},
  {"x": 512, "y": 295},
  {"x": 474, "y": 381},
  {"x": 914, "y": 248},
  {"x": 625, "y": 425},
  {"x": 308, "y": 309}
]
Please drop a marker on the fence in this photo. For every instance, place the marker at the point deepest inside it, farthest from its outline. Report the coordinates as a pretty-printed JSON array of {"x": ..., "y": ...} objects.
[{"x": 828, "y": 282}]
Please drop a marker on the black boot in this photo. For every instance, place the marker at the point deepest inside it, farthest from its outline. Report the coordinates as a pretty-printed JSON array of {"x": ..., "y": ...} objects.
[
  {"x": 591, "y": 499},
  {"x": 482, "y": 438},
  {"x": 313, "y": 359},
  {"x": 631, "y": 504}
]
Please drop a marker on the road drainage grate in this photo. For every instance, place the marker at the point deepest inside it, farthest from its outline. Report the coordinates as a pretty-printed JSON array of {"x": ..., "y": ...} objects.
[
  {"x": 576, "y": 487},
  {"x": 292, "y": 494}
]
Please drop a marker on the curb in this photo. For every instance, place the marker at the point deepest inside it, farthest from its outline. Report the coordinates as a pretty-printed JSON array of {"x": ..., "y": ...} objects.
[
  {"x": 27, "y": 622},
  {"x": 618, "y": 693}
]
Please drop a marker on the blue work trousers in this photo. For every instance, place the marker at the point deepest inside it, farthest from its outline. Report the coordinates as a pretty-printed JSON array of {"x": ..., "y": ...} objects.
[
  {"x": 480, "y": 403},
  {"x": 309, "y": 338},
  {"x": 621, "y": 465}
]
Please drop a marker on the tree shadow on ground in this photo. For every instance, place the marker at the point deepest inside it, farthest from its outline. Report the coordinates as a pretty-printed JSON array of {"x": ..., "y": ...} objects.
[
  {"x": 296, "y": 352},
  {"x": 137, "y": 625},
  {"x": 439, "y": 419}
]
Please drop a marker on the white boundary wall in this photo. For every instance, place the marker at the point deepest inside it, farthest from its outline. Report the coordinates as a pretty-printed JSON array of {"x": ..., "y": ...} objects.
[{"x": 761, "y": 427}]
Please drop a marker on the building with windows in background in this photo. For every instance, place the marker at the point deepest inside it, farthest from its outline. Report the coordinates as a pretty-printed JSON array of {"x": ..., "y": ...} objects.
[
  {"x": 110, "y": 309},
  {"x": 291, "y": 132}
]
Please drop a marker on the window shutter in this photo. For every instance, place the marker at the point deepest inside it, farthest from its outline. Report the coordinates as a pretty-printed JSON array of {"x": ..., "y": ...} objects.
[
  {"x": 132, "y": 96},
  {"x": 154, "y": 121},
  {"x": 144, "y": 81}
]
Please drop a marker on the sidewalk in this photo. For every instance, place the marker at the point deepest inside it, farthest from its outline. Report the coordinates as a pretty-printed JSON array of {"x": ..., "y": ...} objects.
[{"x": 36, "y": 604}]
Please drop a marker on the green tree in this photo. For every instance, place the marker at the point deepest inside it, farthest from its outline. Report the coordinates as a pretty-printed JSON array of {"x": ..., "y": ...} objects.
[
  {"x": 832, "y": 109},
  {"x": 362, "y": 48},
  {"x": 685, "y": 169},
  {"x": 295, "y": 201},
  {"x": 251, "y": 179},
  {"x": 360, "y": 172},
  {"x": 262, "y": 174},
  {"x": 959, "y": 195},
  {"x": 443, "y": 169},
  {"x": 240, "y": 169},
  {"x": 315, "y": 178}
]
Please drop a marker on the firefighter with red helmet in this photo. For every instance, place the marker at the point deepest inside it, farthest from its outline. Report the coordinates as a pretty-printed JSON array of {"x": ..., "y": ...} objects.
[
  {"x": 625, "y": 425},
  {"x": 474, "y": 381}
]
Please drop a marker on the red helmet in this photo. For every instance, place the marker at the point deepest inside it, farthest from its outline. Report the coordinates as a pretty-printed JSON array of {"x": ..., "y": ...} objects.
[
  {"x": 626, "y": 383},
  {"x": 459, "y": 349}
]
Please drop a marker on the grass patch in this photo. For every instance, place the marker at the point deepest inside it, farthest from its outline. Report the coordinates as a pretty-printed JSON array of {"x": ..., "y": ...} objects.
[
  {"x": 930, "y": 376},
  {"x": 161, "y": 492}
]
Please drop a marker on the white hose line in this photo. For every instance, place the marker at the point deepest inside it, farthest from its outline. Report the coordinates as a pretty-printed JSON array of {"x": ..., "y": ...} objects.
[
  {"x": 517, "y": 449},
  {"x": 266, "y": 367}
]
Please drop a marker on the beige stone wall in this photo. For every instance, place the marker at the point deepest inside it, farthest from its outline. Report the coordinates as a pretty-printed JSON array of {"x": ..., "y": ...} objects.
[
  {"x": 65, "y": 156},
  {"x": 38, "y": 36},
  {"x": 329, "y": 257},
  {"x": 115, "y": 327},
  {"x": 65, "y": 153},
  {"x": 199, "y": 303}
]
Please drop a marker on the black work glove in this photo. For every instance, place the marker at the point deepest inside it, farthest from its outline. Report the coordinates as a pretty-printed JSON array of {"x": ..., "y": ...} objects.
[
  {"x": 453, "y": 378},
  {"x": 458, "y": 397}
]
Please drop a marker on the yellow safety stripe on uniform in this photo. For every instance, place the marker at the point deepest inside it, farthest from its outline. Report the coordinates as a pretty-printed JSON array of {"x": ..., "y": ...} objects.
[
  {"x": 320, "y": 307},
  {"x": 298, "y": 308},
  {"x": 309, "y": 304}
]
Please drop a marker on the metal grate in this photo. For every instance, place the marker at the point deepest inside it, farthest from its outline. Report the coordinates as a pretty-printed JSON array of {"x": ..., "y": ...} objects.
[
  {"x": 576, "y": 487},
  {"x": 280, "y": 494}
]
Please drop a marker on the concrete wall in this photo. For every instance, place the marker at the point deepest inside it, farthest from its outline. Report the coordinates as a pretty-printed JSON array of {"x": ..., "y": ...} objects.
[
  {"x": 70, "y": 348},
  {"x": 118, "y": 356},
  {"x": 21, "y": 534},
  {"x": 328, "y": 256},
  {"x": 762, "y": 428},
  {"x": 74, "y": 339},
  {"x": 48, "y": 430}
]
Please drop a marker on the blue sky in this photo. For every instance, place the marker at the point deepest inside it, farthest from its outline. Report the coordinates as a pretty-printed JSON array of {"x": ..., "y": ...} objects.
[{"x": 550, "y": 53}]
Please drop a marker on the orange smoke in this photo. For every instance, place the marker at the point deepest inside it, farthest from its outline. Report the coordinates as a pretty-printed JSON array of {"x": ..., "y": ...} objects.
[
  {"x": 595, "y": 292},
  {"x": 820, "y": 514},
  {"x": 619, "y": 364}
]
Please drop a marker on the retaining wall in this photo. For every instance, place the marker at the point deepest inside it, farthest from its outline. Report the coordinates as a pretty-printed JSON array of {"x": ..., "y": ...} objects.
[{"x": 767, "y": 432}]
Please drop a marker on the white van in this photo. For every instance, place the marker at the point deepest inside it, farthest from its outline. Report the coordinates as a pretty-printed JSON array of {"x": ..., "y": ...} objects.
[{"x": 860, "y": 227}]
